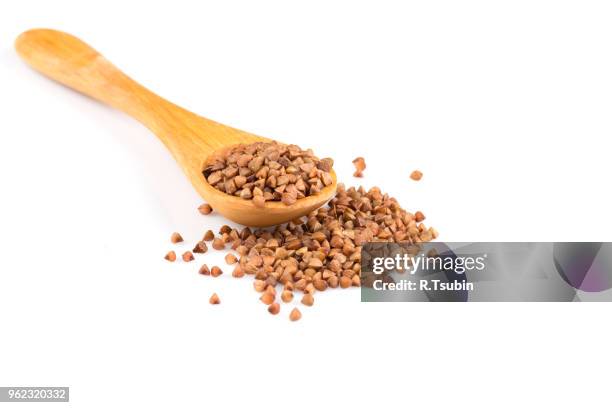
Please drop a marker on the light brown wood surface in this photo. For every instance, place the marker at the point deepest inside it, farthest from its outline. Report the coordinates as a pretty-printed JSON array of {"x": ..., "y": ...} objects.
[{"x": 191, "y": 138}]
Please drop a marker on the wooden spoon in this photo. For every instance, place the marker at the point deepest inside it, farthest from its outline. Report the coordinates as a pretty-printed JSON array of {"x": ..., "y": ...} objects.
[{"x": 191, "y": 139}]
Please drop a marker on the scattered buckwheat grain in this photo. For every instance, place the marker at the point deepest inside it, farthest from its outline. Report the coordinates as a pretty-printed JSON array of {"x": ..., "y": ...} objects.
[
  {"x": 295, "y": 315},
  {"x": 287, "y": 296},
  {"x": 176, "y": 238},
  {"x": 416, "y": 175},
  {"x": 360, "y": 166},
  {"x": 215, "y": 271},
  {"x": 214, "y": 299},
  {"x": 274, "y": 308},
  {"x": 230, "y": 259},
  {"x": 218, "y": 244},
  {"x": 259, "y": 285},
  {"x": 187, "y": 256},
  {"x": 200, "y": 248},
  {"x": 170, "y": 256},
  {"x": 267, "y": 298},
  {"x": 205, "y": 209},
  {"x": 237, "y": 272},
  {"x": 204, "y": 270},
  {"x": 308, "y": 299}
]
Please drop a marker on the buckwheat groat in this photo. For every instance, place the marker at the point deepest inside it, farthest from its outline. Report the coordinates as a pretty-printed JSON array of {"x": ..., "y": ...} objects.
[
  {"x": 360, "y": 166},
  {"x": 416, "y": 175}
]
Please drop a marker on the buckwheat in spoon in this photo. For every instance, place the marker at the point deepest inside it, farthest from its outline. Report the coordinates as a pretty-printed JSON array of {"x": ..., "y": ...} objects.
[{"x": 249, "y": 179}]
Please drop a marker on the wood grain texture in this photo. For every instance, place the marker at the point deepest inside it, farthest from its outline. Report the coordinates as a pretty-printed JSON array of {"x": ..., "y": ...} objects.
[{"x": 191, "y": 138}]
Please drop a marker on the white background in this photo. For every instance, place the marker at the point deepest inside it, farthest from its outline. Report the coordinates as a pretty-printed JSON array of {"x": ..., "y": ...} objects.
[{"x": 505, "y": 107}]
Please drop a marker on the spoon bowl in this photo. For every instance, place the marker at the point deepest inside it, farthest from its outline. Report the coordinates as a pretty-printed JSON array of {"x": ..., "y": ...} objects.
[{"x": 190, "y": 138}]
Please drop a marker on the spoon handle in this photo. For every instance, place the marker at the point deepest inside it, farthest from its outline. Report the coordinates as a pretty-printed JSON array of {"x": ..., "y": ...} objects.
[
  {"x": 70, "y": 61},
  {"x": 75, "y": 64}
]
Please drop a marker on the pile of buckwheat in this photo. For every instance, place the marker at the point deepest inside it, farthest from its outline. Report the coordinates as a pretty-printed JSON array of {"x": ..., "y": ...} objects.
[
  {"x": 269, "y": 171},
  {"x": 319, "y": 251}
]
